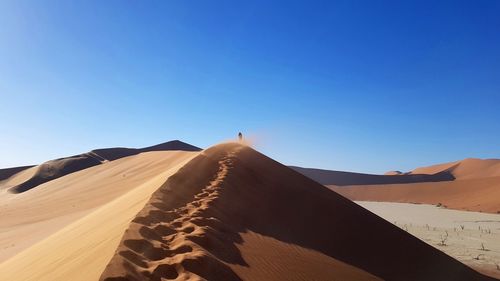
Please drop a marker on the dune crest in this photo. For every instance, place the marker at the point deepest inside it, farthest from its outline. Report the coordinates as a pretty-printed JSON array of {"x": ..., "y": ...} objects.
[
  {"x": 476, "y": 194},
  {"x": 9, "y": 172},
  {"x": 57, "y": 168},
  {"x": 470, "y": 168},
  {"x": 340, "y": 178},
  {"x": 226, "y": 213}
]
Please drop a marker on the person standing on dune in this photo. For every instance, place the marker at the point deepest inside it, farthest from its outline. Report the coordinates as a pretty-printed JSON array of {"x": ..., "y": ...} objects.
[{"x": 240, "y": 136}]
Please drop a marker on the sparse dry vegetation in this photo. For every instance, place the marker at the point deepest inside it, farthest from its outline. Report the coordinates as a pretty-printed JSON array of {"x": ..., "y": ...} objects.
[
  {"x": 478, "y": 257},
  {"x": 443, "y": 239}
]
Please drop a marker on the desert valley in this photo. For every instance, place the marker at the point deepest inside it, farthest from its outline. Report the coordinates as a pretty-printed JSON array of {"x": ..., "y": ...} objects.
[{"x": 176, "y": 212}]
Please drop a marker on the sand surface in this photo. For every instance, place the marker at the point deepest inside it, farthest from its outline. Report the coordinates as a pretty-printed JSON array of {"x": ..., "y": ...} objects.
[
  {"x": 471, "y": 237},
  {"x": 74, "y": 223}
]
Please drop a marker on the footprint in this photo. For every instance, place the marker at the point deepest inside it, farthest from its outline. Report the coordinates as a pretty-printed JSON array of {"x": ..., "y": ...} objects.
[{"x": 164, "y": 271}]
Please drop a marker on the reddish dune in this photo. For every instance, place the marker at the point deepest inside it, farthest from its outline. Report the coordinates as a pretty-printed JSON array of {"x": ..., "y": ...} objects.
[
  {"x": 470, "y": 184},
  {"x": 469, "y": 194},
  {"x": 231, "y": 213},
  {"x": 328, "y": 177},
  {"x": 469, "y": 168},
  {"x": 475, "y": 187}
]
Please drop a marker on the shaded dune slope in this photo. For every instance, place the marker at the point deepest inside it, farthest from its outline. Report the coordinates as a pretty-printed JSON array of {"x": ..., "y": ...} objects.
[
  {"x": 339, "y": 178},
  {"x": 198, "y": 226},
  {"x": 120, "y": 152},
  {"x": 57, "y": 168},
  {"x": 54, "y": 169},
  {"x": 8, "y": 172}
]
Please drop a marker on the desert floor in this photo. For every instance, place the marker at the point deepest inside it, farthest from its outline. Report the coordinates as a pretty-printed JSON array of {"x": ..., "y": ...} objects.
[{"x": 470, "y": 237}]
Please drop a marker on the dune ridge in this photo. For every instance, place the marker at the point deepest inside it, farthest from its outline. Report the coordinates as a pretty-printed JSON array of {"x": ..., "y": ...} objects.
[
  {"x": 57, "y": 168},
  {"x": 470, "y": 168},
  {"x": 211, "y": 220},
  {"x": 340, "y": 178},
  {"x": 31, "y": 217},
  {"x": 470, "y": 184},
  {"x": 475, "y": 194},
  {"x": 8, "y": 172}
]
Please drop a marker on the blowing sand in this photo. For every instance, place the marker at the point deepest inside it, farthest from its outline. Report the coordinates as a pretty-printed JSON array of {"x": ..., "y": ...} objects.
[{"x": 470, "y": 237}]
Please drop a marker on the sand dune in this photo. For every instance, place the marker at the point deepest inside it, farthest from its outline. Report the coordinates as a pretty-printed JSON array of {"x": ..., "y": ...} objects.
[
  {"x": 227, "y": 213},
  {"x": 111, "y": 154},
  {"x": 339, "y": 178},
  {"x": 60, "y": 167},
  {"x": 33, "y": 216},
  {"x": 9, "y": 172},
  {"x": 467, "y": 194},
  {"x": 470, "y": 184},
  {"x": 233, "y": 214},
  {"x": 469, "y": 168}
]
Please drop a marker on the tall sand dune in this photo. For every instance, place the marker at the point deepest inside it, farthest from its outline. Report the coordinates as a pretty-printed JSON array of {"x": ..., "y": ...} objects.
[{"x": 231, "y": 213}]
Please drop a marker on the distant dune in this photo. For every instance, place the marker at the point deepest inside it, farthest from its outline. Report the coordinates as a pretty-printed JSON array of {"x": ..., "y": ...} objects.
[
  {"x": 233, "y": 214},
  {"x": 470, "y": 168},
  {"x": 111, "y": 154},
  {"x": 479, "y": 195},
  {"x": 60, "y": 167},
  {"x": 339, "y": 178},
  {"x": 470, "y": 184},
  {"x": 9, "y": 172}
]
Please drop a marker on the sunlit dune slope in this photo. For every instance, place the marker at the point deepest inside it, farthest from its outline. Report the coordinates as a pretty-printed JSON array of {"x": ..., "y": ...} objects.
[
  {"x": 470, "y": 184},
  {"x": 33, "y": 216},
  {"x": 476, "y": 194},
  {"x": 469, "y": 168}
]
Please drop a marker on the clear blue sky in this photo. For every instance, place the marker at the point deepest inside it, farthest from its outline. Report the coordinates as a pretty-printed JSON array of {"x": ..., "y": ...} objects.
[{"x": 365, "y": 86}]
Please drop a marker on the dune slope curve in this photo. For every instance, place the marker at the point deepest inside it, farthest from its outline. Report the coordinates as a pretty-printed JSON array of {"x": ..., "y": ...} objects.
[
  {"x": 57, "y": 168},
  {"x": 231, "y": 213}
]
